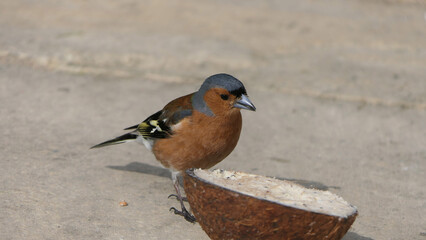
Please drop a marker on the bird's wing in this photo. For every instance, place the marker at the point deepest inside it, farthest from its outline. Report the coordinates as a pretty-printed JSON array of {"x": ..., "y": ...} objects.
[{"x": 160, "y": 124}]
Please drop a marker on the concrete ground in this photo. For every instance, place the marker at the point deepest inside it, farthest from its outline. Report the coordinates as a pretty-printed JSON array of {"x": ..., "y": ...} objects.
[{"x": 340, "y": 88}]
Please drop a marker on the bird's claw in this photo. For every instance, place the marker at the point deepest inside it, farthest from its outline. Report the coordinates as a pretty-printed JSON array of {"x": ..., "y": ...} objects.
[
  {"x": 177, "y": 197},
  {"x": 184, "y": 213}
]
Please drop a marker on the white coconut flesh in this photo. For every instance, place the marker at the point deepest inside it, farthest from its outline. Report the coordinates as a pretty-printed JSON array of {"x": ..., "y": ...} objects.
[{"x": 279, "y": 191}]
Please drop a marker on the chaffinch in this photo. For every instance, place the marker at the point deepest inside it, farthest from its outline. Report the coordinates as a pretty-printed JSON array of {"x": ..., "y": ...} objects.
[{"x": 194, "y": 131}]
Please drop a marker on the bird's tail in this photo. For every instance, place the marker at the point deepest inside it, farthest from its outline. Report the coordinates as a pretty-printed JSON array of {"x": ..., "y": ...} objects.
[{"x": 121, "y": 139}]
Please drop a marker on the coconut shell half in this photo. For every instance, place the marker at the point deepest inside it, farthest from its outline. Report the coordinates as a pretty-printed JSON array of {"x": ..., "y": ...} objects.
[{"x": 235, "y": 205}]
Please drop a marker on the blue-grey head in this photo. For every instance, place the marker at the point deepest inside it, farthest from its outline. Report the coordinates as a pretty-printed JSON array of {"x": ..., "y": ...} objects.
[{"x": 221, "y": 92}]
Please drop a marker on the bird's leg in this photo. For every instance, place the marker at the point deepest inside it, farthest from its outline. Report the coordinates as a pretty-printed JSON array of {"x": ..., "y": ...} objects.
[
  {"x": 177, "y": 198},
  {"x": 188, "y": 217}
]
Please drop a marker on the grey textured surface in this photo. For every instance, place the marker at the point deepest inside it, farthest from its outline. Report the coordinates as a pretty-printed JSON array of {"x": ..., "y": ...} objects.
[{"x": 339, "y": 86}]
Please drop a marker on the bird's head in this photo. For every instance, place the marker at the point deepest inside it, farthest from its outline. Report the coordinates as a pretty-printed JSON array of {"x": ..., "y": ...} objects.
[{"x": 221, "y": 94}]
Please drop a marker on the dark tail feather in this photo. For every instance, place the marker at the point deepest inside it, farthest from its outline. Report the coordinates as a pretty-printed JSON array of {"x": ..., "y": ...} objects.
[
  {"x": 121, "y": 139},
  {"x": 132, "y": 127}
]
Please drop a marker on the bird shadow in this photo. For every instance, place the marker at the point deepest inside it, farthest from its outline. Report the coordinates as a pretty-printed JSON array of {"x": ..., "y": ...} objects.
[
  {"x": 355, "y": 236},
  {"x": 144, "y": 168},
  {"x": 162, "y": 172}
]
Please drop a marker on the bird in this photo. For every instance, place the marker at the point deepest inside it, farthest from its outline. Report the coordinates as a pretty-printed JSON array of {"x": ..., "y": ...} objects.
[{"x": 197, "y": 130}]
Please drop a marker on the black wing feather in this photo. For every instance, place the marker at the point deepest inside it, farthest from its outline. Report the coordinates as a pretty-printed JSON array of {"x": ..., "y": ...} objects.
[
  {"x": 132, "y": 127},
  {"x": 117, "y": 140},
  {"x": 154, "y": 127}
]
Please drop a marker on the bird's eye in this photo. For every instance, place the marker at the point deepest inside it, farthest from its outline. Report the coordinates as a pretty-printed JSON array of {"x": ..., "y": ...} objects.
[{"x": 224, "y": 96}]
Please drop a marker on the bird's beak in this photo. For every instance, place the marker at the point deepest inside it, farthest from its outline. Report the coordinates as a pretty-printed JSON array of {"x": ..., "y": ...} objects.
[{"x": 244, "y": 103}]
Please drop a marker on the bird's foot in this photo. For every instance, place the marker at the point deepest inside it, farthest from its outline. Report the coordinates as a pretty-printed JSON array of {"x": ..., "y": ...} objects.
[
  {"x": 184, "y": 213},
  {"x": 177, "y": 197}
]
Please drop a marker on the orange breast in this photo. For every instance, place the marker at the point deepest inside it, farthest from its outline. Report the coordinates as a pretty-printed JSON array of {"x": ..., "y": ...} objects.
[{"x": 199, "y": 141}]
